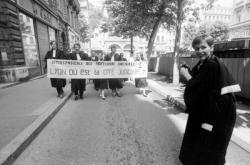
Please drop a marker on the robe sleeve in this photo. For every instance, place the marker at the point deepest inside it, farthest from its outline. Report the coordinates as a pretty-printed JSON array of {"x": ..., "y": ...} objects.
[
  {"x": 201, "y": 85},
  {"x": 206, "y": 77}
]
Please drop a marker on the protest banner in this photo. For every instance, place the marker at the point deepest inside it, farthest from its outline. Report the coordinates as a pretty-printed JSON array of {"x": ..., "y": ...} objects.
[{"x": 73, "y": 69}]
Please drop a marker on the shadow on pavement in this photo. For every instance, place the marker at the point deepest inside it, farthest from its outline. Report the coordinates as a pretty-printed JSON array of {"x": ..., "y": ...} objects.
[{"x": 243, "y": 116}]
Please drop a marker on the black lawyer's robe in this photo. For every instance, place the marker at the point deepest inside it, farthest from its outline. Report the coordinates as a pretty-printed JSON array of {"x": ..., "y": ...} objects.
[
  {"x": 56, "y": 82},
  {"x": 78, "y": 84},
  {"x": 114, "y": 83},
  {"x": 205, "y": 104}
]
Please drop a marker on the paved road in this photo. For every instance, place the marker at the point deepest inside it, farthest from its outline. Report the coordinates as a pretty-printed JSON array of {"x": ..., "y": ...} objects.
[{"x": 131, "y": 130}]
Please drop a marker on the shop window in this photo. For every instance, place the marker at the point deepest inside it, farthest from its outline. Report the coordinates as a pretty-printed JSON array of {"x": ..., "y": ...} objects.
[
  {"x": 29, "y": 40},
  {"x": 52, "y": 35}
]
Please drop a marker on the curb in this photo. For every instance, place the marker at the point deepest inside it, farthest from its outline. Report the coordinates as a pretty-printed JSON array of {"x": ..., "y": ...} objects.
[
  {"x": 11, "y": 151},
  {"x": 21, "y": 82},
  {"x": 158, "y": 89}
]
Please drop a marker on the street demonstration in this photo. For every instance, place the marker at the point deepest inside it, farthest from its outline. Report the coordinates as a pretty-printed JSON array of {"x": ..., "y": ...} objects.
[
  {"x": 94, "y": 70},
  {"x": 107, "y": 72}
]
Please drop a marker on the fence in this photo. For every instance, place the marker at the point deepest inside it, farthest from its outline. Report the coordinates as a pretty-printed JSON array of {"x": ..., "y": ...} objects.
[{"x": 238, "y": 67}]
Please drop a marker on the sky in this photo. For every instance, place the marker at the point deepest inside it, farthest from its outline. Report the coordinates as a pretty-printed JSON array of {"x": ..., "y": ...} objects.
[{"x": 226, "y": 3}]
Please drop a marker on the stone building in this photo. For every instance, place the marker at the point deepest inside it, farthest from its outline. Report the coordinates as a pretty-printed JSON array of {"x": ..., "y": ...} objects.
[
  {"x": 240, "y": 27},
  {"x": 26, "y": 29}
]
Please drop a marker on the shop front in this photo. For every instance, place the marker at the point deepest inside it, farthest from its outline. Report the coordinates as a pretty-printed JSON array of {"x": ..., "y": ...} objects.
[{"x": 46, "y": 28}]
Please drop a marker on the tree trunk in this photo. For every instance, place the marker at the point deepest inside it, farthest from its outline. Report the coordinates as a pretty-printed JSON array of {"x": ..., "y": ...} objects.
[
  {"x": 177, "y": 43},
  {"x": 153, "y": 36},
  {"x": 132, "y": 45},
  {"x": 155, "y": 29}
]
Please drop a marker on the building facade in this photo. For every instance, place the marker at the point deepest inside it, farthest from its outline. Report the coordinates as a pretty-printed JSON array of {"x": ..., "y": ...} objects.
[
  {"x": 27, "y": 27},
  {"x": 240, "y": 27},
  {"x": 217, "y": 13}
]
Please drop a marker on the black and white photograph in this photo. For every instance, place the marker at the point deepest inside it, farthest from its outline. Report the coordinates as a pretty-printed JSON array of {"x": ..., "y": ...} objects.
[{"x": 124, "y": 82}]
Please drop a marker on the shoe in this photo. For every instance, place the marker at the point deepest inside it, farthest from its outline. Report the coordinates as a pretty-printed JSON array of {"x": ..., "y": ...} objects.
[
  {"x": 118, "y": 94},
  {"x": 103, "y": 97},
  {"x": 58, "y": 95},
  {"x": 61, "y": 95},
  {"x": 113, "y": 94},
  {"x": 81, "y": 97},
  {"x": 76, "y": 98},
  {"x": 144, "y": 94}
]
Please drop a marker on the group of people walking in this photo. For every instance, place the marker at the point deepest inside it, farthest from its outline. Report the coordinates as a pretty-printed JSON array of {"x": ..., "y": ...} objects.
[{"x": 78, "y": 86}]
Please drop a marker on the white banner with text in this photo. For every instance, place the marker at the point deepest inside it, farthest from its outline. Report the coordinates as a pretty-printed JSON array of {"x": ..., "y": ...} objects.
[{"x": 73, "y": 69}]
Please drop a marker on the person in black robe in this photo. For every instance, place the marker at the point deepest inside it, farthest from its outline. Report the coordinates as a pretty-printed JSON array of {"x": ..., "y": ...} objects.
[
  {"x": 101, "y": 84},
  {"x": 114, "y": 84},
  {"x": 96, "y": 82},
  {"x": 210, "y": 104},
  {"x": 141, "y": 83},
  {"x": 78, "y": 86},
  {"x": 55, "y": 53}
]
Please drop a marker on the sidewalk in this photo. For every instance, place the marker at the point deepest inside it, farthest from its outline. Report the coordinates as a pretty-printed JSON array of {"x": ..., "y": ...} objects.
[
  {"x": 25, "y": 109},
  {"x": 174, "y": 94}
]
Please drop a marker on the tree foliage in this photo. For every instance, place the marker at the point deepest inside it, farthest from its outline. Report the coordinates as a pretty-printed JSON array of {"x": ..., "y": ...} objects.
[
  {"x": 217, "y": 30},
  {"x": 84, "y": 29}
]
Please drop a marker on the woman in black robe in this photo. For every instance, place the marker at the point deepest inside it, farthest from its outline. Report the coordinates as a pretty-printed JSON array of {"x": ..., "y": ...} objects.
[
  {"x": 96, "y": 82},
  {"x": 55, "y": 53},
  {"x": 141, "y": 83},
  {"x": 78, "y": 86},
  {"x": 210, "y": 104},
  {"x": 114, "y": 84}
]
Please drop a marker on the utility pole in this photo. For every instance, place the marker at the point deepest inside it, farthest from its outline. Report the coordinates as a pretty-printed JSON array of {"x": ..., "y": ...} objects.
[{"x": 177, "y": 42}]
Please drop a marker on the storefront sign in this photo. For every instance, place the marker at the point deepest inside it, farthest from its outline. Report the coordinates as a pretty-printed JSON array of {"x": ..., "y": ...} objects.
[
  {"x": 240, "y": 33},
  {"x": 95, "y": 69},
  {"x": 44, "y": 15}
]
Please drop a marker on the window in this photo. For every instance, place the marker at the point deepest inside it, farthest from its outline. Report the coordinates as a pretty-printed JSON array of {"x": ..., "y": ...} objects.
[
  {"x": 29, "y": 41},
  {"x": 158, "y": 39},
  {"x": 52, "y": 35},
  {"x": 238, "y": 16},
  {"x": 47, "y": 1},
  {"x": 32, "y": 40}
]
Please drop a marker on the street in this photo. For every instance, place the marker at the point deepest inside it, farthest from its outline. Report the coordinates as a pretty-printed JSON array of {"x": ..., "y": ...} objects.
[{"x": 127, "y": 130}]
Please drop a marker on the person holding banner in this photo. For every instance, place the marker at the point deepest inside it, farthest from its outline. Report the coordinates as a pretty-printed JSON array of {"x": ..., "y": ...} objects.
[
  {"x": 96, "y": 82},
  {"x": 141, "y": 83},
  {"x": 114, "y": 84},
  {"x": 100, "y": 84},
  {"x": 78, "y": 86},
  {"x": 55, "y": 53}
]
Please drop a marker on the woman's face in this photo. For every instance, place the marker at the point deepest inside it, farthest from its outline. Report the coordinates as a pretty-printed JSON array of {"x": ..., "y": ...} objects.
[
  {"x": 77, "y": 48},
  {"x": 53, "y": 45},
  {"x": 203, "y": 50}
]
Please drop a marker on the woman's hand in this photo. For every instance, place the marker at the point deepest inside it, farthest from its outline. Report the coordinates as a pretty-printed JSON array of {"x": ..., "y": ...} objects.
[{"x": 184, "y": 71}]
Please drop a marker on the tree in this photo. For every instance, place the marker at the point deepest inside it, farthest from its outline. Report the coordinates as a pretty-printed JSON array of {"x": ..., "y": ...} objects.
[
  {"x": 141, "y": 17},
  {"x": 95, "y": 17},
  {"x": 217, "y": 30},
  {"x": 84, "y": 29}
]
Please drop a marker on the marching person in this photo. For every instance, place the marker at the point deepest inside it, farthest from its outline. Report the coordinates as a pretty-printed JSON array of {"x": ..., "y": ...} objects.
[
  {"x": 210, "y": 103},
  {"x": 103, "y": 82},
  {"x": 96, "y": 82},
  {"x": 114, "y": 84},
  {"x": 55, "y": 53},
  {"x": 141, "y": 83},
  {"x": 78, "y": 86}
]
